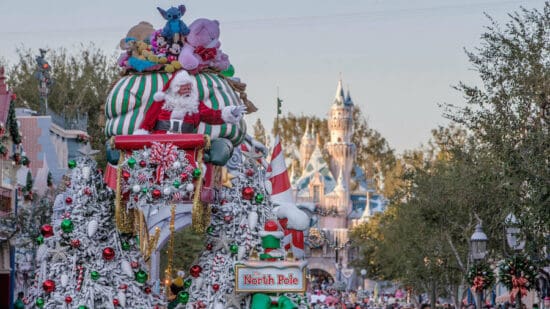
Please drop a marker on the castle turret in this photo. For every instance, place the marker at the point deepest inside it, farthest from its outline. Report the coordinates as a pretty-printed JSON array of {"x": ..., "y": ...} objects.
[
  {"x": 340, "y": 123},
  {"x": 307, "y": 145}
]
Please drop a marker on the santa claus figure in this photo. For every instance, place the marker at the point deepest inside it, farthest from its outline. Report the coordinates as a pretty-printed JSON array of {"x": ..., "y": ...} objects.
[{"x": 177, "y": 109}]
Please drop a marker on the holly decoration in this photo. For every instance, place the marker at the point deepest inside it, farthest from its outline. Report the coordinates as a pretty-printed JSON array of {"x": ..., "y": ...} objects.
[
  {"x": 480, "y": 277},
  {"x": 517, "y": 273}
]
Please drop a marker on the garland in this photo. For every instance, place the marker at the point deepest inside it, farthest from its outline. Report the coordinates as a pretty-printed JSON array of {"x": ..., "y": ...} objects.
[
  {"x": 517, "y": 274},
  {"x": 480, "y": 277}
]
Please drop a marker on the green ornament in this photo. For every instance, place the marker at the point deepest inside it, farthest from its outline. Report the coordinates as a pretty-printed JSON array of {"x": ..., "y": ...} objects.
[
  {"x": 40, "y": 302},
  {"x": 72, "y": 164},
  {"x": 67, "y": 225},
  {"x": 197, "y": 173},
  {"x": 141, "y": 276},
  {"x": 210, "y": 229},
  {"x": 259, "y": 198},
  {"x": 144, "y": 190},
  {"x": 82, "y": 307},
  {"x": 183, "y": 297},
  {"x": 187, "y": 283},
  {"x": 131, "y": 162},
  {"x": 125, "y": 246},
  {"x": 94, "y": 275},
  {"x": 40, "y": 239},
  {"x": 19, "y": 304},
  {"x": 229, "y": 72},
  {"x": 176, "y": 184},
  {"x": 234, "y": 248}
]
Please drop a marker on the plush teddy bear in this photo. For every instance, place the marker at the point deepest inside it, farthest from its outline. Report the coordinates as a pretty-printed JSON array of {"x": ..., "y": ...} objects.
[
  {"x": 139, "y": 32},
  {"x": 202, "y": 47}
]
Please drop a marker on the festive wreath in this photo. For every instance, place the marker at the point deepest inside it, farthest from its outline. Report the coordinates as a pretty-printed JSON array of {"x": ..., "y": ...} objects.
[
  {"x": 480, "y": 276},
  {"x": 517, "y": 274}
]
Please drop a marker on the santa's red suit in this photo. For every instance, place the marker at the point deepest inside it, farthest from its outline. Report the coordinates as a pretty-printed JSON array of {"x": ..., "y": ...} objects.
[{"x": 167, "y": 114}]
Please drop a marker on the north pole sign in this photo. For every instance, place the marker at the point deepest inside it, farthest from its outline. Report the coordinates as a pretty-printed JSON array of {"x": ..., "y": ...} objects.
[{"x": 270, "y": 277}]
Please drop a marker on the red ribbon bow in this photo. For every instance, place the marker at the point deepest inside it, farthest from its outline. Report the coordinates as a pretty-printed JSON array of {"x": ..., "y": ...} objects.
[
  {"x": 518, "y": 285},
  {"x": 164, "y": 155},
  {"x": 479, "y": 283},
  {"x": 206, "y": 53}
]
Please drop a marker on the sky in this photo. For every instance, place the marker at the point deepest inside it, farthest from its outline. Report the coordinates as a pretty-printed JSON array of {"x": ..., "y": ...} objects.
[{"x": 398, "y": 58}]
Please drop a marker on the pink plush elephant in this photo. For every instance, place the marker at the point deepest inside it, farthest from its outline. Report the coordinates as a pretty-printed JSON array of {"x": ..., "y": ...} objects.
[{"x": 202, "y": 47}]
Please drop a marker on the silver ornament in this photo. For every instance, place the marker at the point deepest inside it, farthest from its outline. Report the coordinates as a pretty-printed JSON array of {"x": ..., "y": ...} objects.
[
  {"x": 176, "y": 164},
  {"x": 166, "y": 191},
  {"x": 136, "y": 188},
  {"x": 189, "y": 187}
]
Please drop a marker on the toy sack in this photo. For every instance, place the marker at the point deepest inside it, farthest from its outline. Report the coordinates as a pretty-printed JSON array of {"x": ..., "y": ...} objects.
[{"x": 132, "y": 95}]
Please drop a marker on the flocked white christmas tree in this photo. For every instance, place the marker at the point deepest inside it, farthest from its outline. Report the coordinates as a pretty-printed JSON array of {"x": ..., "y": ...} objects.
[{"x": 83, "y": 261}]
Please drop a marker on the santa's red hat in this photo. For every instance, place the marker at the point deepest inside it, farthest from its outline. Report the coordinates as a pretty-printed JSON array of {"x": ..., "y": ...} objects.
[{"x": 177, "y": 79}]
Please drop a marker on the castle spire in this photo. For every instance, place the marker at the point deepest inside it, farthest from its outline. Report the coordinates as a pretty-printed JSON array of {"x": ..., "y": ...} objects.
[
  {"x": 3, "y": 87},
  {"x": 348, "y": 100},
  {"x": 339, "y": 98}
]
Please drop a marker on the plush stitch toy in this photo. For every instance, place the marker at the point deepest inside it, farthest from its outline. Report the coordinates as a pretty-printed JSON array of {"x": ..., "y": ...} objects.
[
  {"x": 202, "y": 47},
  {"x": 175, "y": 29}
]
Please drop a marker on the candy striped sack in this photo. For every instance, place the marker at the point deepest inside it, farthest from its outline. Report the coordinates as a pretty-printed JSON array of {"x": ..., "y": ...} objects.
[{"x": 132, "y": 95}]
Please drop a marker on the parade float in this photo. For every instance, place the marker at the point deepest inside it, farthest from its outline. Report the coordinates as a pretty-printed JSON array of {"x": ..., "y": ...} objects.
[{"x": 179, "y": 155}]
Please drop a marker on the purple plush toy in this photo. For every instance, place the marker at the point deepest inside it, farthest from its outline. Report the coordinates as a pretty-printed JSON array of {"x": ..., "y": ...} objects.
[{"x": 202, "y": 47}]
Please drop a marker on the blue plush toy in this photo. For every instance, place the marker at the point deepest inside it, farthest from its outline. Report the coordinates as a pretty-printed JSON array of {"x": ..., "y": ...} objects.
[{"x": 175, "y": 29}]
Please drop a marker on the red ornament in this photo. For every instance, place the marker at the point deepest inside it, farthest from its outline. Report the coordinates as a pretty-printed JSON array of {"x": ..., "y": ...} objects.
[
  {"x": 46, "y": 230},
  {"x": 248, "y": 193},
  {"x": 249, "y": 172},
  {"x": 75, "y": 243},
  {"x": 123, "y": 286},
  {"x": 209, "y": 247},
  {"x": 156, "y": 193},
  {"x": 108, "y": 253},
  {"x": 184, "y": 176},
  {"x": 271, "y": 226},
  {"x": 195, "y": 271},
  {"x": 126, "y": 175},
  {"x": 142, "y": 163},
  {"x": 215, "y": 287},
  {"x": 69, "y": 200},
  {"x": 136, "y": 198},
  {"x": 147, "y": 290},
  {"x": 116, "y": 302},
  {"x": 68, "y": 299},
  {"x": 227, "y": 219},
  {"x": 134, "y": 264},
  {"x": 87, "y": 191},
  {"x": 67, "y": 183},
  {"x": 48, "y": 286}
]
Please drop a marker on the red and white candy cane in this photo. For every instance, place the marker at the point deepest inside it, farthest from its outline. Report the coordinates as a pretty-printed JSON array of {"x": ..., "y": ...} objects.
[{"x": 80, "y": 277}]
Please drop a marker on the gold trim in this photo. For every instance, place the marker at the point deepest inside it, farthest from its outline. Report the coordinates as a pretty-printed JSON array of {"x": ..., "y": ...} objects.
[{"x": 237, "y": 290}]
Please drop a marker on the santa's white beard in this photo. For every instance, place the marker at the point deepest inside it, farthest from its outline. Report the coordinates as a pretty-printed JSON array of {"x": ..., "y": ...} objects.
[{"x": 183, "y": 105}]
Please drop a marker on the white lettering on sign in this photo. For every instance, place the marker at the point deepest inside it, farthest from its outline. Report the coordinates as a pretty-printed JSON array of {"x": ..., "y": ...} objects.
[{"x": 267, "y": 278}]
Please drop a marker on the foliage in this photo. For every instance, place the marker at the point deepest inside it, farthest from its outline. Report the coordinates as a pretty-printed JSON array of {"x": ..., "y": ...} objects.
[
  {"x": 515, "y": 267},
  {"x": 13, "y": 127},
  {"x": 82, "y": 82},
  {"x": 188, "y": 246},
  {"x": 481, "y": 270},
  {"x": 508, "y": 116},
  {"x": 259, "y": 131}
]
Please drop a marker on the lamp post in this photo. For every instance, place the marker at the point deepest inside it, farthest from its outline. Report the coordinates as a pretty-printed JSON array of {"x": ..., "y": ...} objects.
[
  {"x": 363, "y": 276},
  {"x": 478, "y": 250},
  {"x": 513, "y": 238}
]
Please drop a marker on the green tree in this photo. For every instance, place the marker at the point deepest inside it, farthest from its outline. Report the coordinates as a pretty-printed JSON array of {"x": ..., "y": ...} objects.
[
  {"x": 188, "y": 246},
  {"x": 81, "y": 83},
  {"x": 509, "y": 116}
]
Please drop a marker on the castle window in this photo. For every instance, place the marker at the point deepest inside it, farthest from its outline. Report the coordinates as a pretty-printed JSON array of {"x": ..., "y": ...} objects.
[{"x": 316, "y": 194}]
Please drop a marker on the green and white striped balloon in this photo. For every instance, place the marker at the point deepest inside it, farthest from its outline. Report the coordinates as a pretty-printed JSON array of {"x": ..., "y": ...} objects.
[{"x": 132, "y": 95}]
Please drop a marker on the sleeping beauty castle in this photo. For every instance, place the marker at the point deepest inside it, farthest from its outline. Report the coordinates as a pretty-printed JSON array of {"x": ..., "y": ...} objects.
[{"x": 340, "y": 191}]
